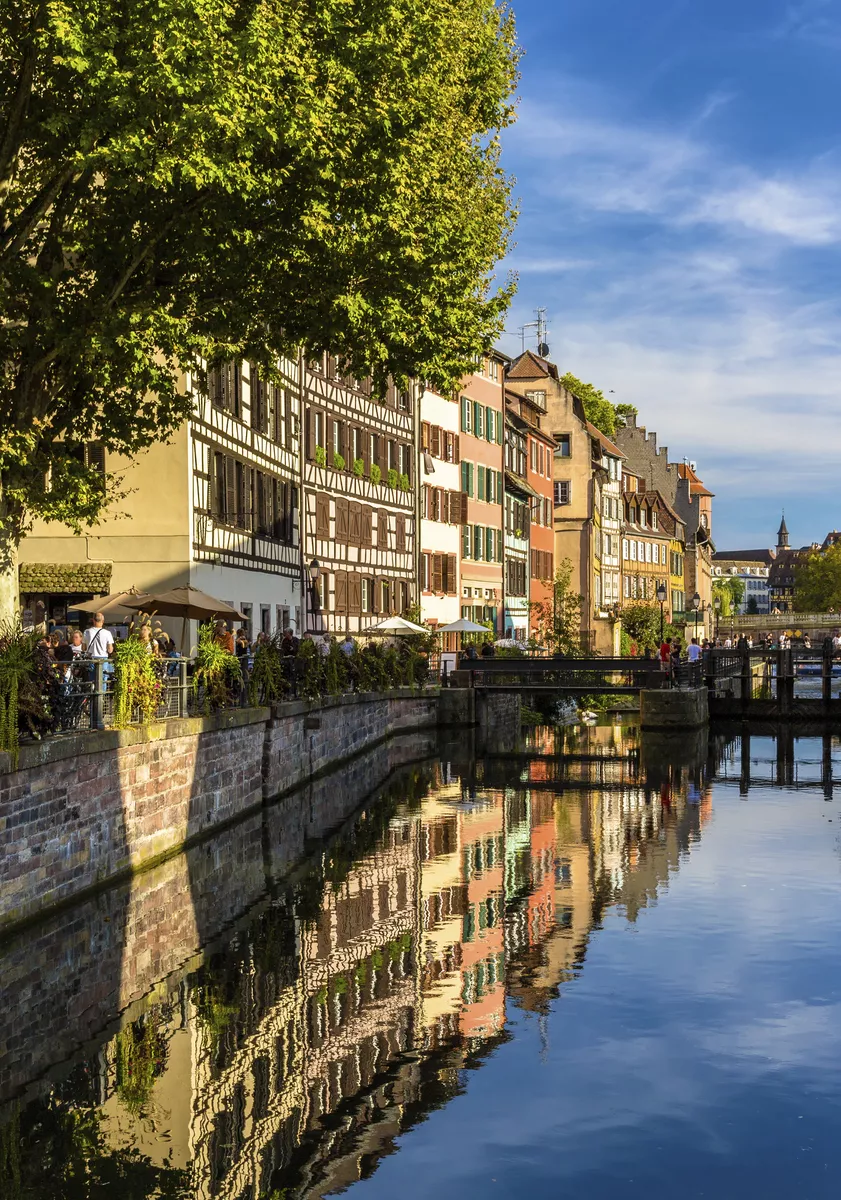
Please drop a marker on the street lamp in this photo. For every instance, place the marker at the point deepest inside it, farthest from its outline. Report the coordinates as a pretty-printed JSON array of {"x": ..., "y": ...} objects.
[
  {"x": 717, "y": 607},
  {"x": 315, "y": 575},
  {"x": 696, "y": 604},
  {"x": 662, "y": 595}
]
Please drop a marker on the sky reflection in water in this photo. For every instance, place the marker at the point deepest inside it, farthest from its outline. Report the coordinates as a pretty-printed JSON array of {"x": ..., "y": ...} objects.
[{"x": 628, "y": 981}]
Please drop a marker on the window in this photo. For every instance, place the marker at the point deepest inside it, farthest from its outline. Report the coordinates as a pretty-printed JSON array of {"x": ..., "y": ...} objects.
[
  {"x": 367, "y": 595},
  {"x": 493, "y": 369},
  {"x": 533, "y": 449},
  {"x": 465, "y": 541},
  {"x": 478, "y": 544},
  {"x": 466, "y": 415},
  {"x": 224, "y": 385},
  {"x": 478, "y": 419},
  {"x": 563, "y": 491},
  {"x": 537, "y": 397},
  {"x": 516, "y": 577},
  {"x": 467, "y": 478},
  {"x": 653, "y": 519}
]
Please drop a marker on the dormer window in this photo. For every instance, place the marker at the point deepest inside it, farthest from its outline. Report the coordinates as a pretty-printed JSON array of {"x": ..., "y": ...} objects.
[
  {"x": 653, "y": 519},
  {"x": 643, "y": 518}
]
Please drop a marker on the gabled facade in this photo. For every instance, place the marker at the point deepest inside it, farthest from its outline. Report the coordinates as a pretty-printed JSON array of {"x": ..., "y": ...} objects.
[
  {"x": 518, "y": 503},
  {"x": 481, "y": 440},
  {"x": 443, "y": 510},
  {"x": 360, "y": 498},
  {"x": 684, "y": 492},
  {"x": 563, "y": 419},
  {"x": 528, "y": 417},
  {"x": 652, "y": 548}
]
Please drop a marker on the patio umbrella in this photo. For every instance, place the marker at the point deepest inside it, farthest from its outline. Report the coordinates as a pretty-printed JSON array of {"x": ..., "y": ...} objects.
[
  {"x": 394, "y": 627},
  {"x": 116, "y": 602},
  {"x": 186, "y": 602},
  {"x": 462, "y": 625}
]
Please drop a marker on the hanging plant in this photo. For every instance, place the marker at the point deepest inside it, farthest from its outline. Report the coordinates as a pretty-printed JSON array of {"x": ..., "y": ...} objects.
[
  {"x": 216, "y": 671},
  {"x": 18, "y": 670},
  {"x": 137, "y": 684}
]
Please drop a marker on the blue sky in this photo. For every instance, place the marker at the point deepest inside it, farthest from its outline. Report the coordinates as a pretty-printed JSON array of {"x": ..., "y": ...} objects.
[{"x": 678, "y": 165}]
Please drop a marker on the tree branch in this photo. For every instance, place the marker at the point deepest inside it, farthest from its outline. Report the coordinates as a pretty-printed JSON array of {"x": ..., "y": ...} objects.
[
  {"x": 17, "y": 111},
  {"x": 16, "y": 232}
]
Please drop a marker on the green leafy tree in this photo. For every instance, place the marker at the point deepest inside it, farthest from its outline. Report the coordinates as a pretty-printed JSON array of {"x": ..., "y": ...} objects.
[
  {"x": 558, "y": 619},
  {"x": 731, "y": 592},
  {"x": 599, "y": 410},
  {"x": 641, "y": 624},
  {"x": 752, "y": 606},
  {"x": 817, "y": 581},
  {"x": 185, "y": 180}
]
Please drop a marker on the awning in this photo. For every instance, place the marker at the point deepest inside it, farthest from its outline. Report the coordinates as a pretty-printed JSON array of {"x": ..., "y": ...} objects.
[
  {"x": 88, "y": 578},
  {"x": 517, "y": 481}
]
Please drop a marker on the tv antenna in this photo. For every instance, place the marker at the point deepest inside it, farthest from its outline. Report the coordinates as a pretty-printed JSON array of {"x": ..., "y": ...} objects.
[{"x": 541, "y": 332}]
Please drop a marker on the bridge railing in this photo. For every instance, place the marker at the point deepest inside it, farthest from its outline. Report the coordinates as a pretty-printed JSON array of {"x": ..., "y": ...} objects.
[{"x": 574, "y": 676}]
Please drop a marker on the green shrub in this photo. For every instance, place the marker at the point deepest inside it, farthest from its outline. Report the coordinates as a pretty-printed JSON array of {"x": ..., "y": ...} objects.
[
  {"x": 320, "y": 456},
  {"x": 391, "y": 478},
  {"x": 339, "y": 462},
  {"x": 359, "y": 467},
  {"x": 376, "y": 473}
]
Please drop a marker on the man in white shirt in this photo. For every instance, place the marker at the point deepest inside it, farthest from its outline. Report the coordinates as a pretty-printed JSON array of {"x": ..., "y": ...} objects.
[
  {"x": 98, "y": 641},
  {"x": 694, "y": 651}
]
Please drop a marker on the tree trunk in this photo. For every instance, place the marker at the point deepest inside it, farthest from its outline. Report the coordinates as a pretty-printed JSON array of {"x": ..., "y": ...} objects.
[{"x": 9, "y": 597}]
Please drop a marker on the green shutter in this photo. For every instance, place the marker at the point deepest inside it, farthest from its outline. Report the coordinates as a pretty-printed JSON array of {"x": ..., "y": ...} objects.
[
  {"x": 465, "y": 541},
  {"x": 480, "y": 488},
  {"x": 465, "y": 415},
  {"x": 465, "y": 475},
  {"x": 470, "y": 480},
  {"x": 489, "y": 545},
  {"x": 489, "y": 424},
  {"x": 477, "y": 419},
  {"x": 477, "y": 542},
  {"x": 489, "y": 485},
  {"x": 498, "y": 416}
]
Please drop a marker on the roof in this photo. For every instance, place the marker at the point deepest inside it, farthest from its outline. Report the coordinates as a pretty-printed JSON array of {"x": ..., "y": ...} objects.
[
  {"x": 655, "y": 497},
  {"x": 753, "y": 556},
  {"x": 80, "y": 579},
  {"x": 696, "y": 488},
  {"x": 607, "y": 445},
  {"x": 783, "y": 530},
  {"x": 531, "y": 366}
]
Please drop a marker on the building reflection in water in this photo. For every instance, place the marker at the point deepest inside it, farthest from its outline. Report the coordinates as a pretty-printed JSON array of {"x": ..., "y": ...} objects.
[{"x": 349, "y": 1006}]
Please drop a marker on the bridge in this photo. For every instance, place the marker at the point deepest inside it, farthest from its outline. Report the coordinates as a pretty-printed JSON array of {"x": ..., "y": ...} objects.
[
  {"x": 563, "y": 677},
  {"x": 796, "y": 683},
  {"x": 817, "y": 625}
]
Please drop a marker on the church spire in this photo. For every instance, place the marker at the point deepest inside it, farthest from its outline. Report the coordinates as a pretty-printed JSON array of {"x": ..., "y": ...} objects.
[{"x": 782, "y": 534}]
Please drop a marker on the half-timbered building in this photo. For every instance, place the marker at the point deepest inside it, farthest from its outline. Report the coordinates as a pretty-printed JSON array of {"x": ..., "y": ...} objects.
[
  {"x": 443, "y": 510},
  {"x": 360, "y": 499},
  {"x": 216, "y": 507}
]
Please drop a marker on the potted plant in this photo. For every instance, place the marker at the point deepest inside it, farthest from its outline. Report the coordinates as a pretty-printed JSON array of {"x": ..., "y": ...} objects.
[
  {"x": 376, "y": 473},
  {"x": 320, "y": 456}
]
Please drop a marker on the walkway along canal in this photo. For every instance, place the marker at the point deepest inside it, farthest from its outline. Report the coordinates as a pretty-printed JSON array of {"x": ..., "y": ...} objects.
[{"x": 589, "y": 964}]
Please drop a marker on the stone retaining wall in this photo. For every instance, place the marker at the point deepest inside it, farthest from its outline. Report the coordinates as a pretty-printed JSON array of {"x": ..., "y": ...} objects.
[{"x": 87, "y": 809}]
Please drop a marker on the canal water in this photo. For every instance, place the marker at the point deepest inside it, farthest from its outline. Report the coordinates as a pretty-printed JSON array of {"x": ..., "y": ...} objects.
[{"x": 605, "y": 966}]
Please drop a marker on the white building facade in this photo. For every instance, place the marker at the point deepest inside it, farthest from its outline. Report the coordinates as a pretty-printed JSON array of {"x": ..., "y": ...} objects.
[{"x": 443, "y": 509}]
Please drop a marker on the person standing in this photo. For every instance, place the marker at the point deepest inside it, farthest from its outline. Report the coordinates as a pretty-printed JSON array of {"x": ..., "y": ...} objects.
[
  {"x": 223, "y": 637},
  {"x": 289, "y": 644},
  {"x": 99, "y": 645}
]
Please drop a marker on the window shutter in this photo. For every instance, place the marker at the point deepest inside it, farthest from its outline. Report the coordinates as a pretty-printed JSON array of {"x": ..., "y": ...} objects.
[
  {"x": 341, "y": 521},
  {"x": 465, "y": 415},
  {"x": 219, "y": 499},
  {"x": 366, "y": 450},
  {"x": 465, "y": 476},
  {"x": 230, "y": 491},
  {"x": 354, "y": 523},
  {"x": 498, "y": 416},
  {"x": 452, "y": 568},
  {"x": 470, "y": 479},
  {"x": 311, "y": 433},
  {"x": 382, "y": 529},
  {"x": 214, "y": 385},
  {"x": 435, "y": 441},
  {"x": 400, "y": 534},
  {"x": 456, "y": 455},
  {"x": 95, "y": 457},
  {"x": 322, "y": 516},
  {"x": 478, "y": 424},
  {"x": 425, "y": 432},
  {"x": 465, "y": 541},
  {"x": 463, "y": 514},
  {"x": 437, "y": 573},
  {"x": 480, "y": 483},
  {"x": 341, "y": 591},
  {"x": 489, "y": 424},
  {"x": 489, "y": 545},
  {"x": 366, "y": 526},
  {"x": 376, "y": 597}
]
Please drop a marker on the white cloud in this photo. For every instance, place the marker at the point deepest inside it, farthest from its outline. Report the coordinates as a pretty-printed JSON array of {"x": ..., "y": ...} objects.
[{"x": 708, "y": 298}]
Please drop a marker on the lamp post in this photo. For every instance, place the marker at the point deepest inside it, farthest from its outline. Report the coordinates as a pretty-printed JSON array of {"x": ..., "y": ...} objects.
[
  {"x": 696, "y": 604},
  {"x": 315, "y": 575},
  {"x": 717, "y": 607},
  {"x": 662, "y": 594}
]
